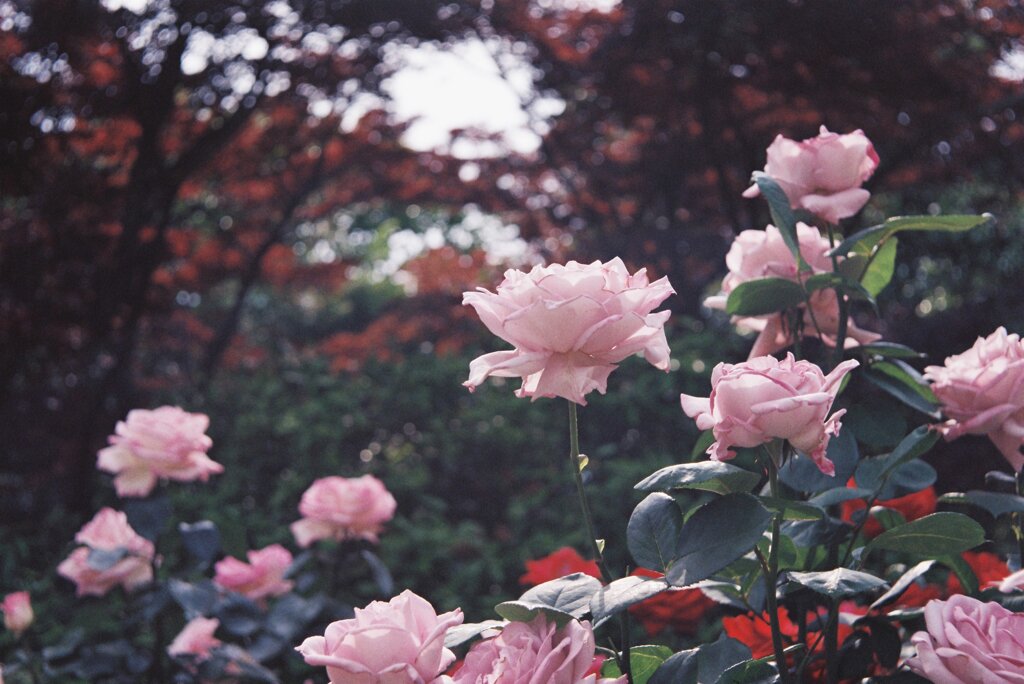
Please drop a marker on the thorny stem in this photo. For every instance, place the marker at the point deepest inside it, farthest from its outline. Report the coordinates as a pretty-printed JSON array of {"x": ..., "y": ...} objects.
[{"x": 837, "y": 354}]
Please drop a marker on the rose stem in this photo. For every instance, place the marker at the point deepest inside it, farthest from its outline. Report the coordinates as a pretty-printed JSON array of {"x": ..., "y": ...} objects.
[
  {"x": 837, "y": 354},
  {"x": 588, "y": 520},
  {"x": 771, "y": 576}
]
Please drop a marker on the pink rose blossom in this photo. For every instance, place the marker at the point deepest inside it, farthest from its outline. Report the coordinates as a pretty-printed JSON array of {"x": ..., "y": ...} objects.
[
  {"x": 822, "y": 175},
  {"x": 261, "y": 577},
  {"x": 982, "y": 393},
  {"x": 17, "y": 610},
  {"x": 166, "y": 443},
  {"x": 570, "y": 325},
  {"x": 398, "y": 642},
  {"x": 536, "y": 652},
  {"x": 757, "y": 254},
  {"x": 109, "y": 532},
  {"x": 762, "y": 399},
  {"x": 969, "y": 642},
  {"x": 341, "y": 508},
  {"x": 196, "y": 639}
]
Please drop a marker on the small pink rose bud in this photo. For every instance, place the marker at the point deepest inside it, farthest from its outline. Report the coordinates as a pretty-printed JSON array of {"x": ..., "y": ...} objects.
[
  {"x": 196, "y": 639},
  {"x": 763, "y": 399},
  {"x": 17, "y": 610}
]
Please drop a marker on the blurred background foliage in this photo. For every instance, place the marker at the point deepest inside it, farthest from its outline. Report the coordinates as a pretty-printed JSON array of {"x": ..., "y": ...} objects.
[{"x": 219, "y": 204}]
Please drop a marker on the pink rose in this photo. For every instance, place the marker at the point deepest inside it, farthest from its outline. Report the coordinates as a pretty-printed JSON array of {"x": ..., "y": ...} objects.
[
  {"x": 261, "y": 577},
  {"x": 762, "y": 399},
  {"x": 17, "y": 610},
  {"x": 982, "y": 393},
  {"x": 164, "y": 443},
  {"x": 969, "y": 642},
  {"x": 533, "y": 652},
  {"x": 570, "y": 325},
  {"x": 822, "y": 175},
  {"x": 757, "y": 254},
  {"x": 196, "y": 639},
  {"x": 341, "y": 508},
  {"x": 113, "y": 553},
  {"x": 398, "y": 642}
]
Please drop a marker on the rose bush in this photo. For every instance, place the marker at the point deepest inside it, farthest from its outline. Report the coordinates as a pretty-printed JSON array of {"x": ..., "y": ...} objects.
[
  {"x": 570, "y": 325},
  {"x": 341, "y": 508},
  {"x": 969, "y": 642},
  {"x": 399, "y": 642},
  {"x": 982, "y": 393},
  {"x": 822, "y": 174},
  {"x": 112, "y": 554},
  {"x": 763, "y": 399},
  {"x": 165, "y": 443}
]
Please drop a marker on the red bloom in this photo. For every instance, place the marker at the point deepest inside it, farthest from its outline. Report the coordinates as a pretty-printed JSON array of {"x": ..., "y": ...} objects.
[
  {"x": 560, "y": 563},
  {"x": 988, "y": 567},
  {"x": 756, "y": 633},
  {"x": 911, "y": 507},
  {"x": 682, "y": 610}
]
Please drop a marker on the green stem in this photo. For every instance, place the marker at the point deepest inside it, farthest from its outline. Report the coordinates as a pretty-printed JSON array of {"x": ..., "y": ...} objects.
[
  {"x": 837, "y": 354},
  {"x": 588, "y": 518},
  {"x": 771, "y": 578}
]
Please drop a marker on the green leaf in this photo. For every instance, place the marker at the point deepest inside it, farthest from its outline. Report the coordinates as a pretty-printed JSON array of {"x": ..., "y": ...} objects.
[
  {"x": 652, "y": 534},
  {"x": 963, "y": 571},
  {"x": 705, "y": 663},
  {"x": 892, "y": 350},
  {"x": 902, "y": 584},
  {"x": 717, "y": 534},
  {"x": 880, "y": 268},
  {"x": 623, "y": 593},
  {"x": 832, "y": 497},
  {"x": 712, "y": 476},
  {"x": 932, "y": 536},
  {"x": 750, "y": 672},
  {"x": 801, "y": 473},
  {"x": 792, "y": 510},
  {"x": 838, "y": 583},
  {"x": 782, "y": 214},
  {"x": 764, "y": 296},
  {"x": 994, "y": 502},
  {"x": 904, "y": 383},
  {"x": 643, "y": 661},
  {"x": 520, "y": 611},
  {"x": 570, "y": 594},
  {"x": 865, "y": 241}
]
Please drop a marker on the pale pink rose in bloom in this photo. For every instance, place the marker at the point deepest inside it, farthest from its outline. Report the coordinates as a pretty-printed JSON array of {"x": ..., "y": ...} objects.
[
  {"x": 398, "y": 642},
  {"x": 343, "y": 508},
  {"x": 17, "y": 610},
  {"x": 166, "y": 443},
  {"x": 536, "y": 652},
  {"x": 196, "y": 639},
  {"x": 969, "y": 642},
  {"x": 757, "y": 254},
  {"x": 261, "y": 577},
  {"x": 762, "y": 399},
  {"x": 822, "y": 175},
  {"x": 570, "y": 325},
  {"x": 108, "y": 531},
  {"x": 982, "y": 393}
]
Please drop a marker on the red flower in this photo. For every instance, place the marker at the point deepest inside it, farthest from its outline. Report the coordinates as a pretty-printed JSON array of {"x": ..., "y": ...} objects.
[
  {"x": 911, "y": 507},
  {"x": 682, "y": 610},
  {"x": 988, "y": 567},
  {"x": 560, "y": 563}
]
